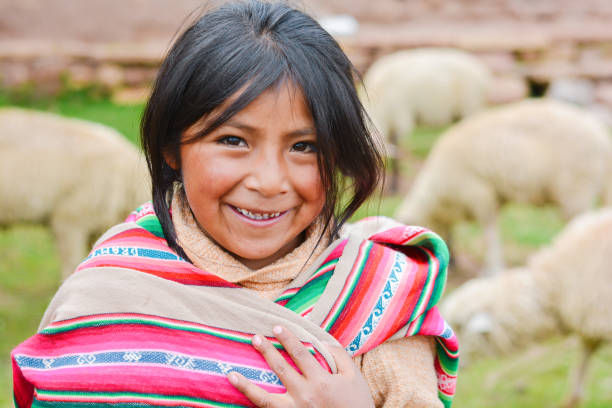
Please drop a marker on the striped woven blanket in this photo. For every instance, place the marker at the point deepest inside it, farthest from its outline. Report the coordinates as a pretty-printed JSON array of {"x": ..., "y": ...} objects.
[{"x": 137, "y": 325}]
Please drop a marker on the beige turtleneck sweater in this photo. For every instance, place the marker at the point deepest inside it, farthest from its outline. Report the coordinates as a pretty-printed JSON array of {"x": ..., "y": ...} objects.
[{"x": 400, "y": 373}]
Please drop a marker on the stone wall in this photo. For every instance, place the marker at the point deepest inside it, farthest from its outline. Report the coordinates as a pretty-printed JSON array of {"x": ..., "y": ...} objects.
[
  {"x": 51, "y": 66},
  {"x": 528, "y": 44}
]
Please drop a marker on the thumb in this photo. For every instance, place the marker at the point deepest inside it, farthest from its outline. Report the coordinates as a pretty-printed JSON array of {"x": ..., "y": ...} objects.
[{"x": 344, "y": 362}]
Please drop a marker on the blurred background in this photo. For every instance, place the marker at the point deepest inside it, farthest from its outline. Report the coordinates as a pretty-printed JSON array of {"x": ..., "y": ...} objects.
[{"x": 96, "y": 60}]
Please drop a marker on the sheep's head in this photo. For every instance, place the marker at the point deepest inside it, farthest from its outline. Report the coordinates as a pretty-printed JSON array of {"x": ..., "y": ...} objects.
[
  {"x": 473, "y": 324},
  {"x": 496, "y": 315}
]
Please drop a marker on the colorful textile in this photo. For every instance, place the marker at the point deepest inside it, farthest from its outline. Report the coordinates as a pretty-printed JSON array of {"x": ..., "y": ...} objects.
[{"x": 137, "y": 325}]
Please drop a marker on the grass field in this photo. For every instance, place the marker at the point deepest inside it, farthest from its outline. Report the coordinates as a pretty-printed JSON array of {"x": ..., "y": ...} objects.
[{"x": 29, "y": 275}]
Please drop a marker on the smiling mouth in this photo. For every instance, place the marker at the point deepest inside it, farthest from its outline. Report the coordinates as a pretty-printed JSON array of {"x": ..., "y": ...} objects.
[{"x": 257, "y": 216}]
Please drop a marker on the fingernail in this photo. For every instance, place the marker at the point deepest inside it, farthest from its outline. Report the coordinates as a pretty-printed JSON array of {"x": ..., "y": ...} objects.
[
  {"x": 256, "y": 340},
  {"x": 233, "y": 378},
  {"x": 277, "y": 329}
]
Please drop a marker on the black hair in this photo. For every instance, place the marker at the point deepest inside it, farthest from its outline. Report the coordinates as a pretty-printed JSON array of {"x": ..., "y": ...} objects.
[{"x": 249, "y": 46}]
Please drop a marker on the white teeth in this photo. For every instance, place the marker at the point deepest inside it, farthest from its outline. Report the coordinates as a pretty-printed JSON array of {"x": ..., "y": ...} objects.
[{"x": 257, "y": 216}]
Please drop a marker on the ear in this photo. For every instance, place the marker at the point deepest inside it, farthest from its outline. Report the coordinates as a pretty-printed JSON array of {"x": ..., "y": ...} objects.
[{"x": 170, "y": 160}]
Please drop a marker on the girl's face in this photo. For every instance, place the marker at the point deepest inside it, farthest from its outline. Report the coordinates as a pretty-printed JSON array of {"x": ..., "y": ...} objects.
[{"x": 253, "y": 184}]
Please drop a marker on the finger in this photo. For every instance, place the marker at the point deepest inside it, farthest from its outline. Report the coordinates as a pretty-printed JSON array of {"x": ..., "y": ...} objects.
[
  {"x": 255, "y": 394},
  {"x": 300, "y": 355},
  {"x": 277, "y": 362},
  {"x": 344, "y": 361}
]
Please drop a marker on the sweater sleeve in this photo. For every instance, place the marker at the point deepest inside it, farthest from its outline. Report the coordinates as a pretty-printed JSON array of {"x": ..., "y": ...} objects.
[{"x": 401, "y": 373}]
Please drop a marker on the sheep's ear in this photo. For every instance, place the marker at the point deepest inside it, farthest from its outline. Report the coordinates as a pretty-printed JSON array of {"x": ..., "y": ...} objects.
[{"x": 170, "y": 160}]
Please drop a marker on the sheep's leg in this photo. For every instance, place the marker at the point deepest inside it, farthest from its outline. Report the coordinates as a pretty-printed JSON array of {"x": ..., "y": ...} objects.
[
  {"x": 71, "y": 241},
  {"x": 494, "y": 261},
  {"x": 579, "y": 373}
]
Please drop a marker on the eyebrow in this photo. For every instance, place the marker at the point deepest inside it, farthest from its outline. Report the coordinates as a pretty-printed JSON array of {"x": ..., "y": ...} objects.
[{"x": 242, "y": 126}]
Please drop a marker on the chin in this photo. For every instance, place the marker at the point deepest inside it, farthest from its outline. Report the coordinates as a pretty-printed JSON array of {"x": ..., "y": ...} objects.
[{"x": 259, "y": 255}]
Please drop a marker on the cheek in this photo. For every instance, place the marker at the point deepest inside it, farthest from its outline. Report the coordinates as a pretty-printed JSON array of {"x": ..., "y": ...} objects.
[
  {"x": 205, "y": 178},
  {"x": 310, "y": 187}
]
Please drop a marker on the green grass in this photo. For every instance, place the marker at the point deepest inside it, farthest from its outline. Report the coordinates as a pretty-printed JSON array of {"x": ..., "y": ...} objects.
[
  {"x": 378, "y": 205},
  {"x": 537, "y": 377},
  {"x": 421, "y": 141},
  {"x": 29, "y": 275}
]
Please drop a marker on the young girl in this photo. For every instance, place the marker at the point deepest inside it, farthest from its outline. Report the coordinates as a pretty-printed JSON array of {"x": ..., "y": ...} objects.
[{"x": 235, "y": 286}]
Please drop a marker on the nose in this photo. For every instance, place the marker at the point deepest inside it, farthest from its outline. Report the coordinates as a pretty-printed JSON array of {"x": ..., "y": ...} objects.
[{"x": 268, "y": 175}]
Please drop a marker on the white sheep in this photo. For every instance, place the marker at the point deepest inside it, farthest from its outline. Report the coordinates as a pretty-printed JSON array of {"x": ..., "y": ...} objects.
[
  {"x": 75, "y": 176},
  {"x": 494, "y": 314},
  {"x": 533, "y": 151},
  {"x": 423, "y": 86},
  {"x": 565, "y": 288}
]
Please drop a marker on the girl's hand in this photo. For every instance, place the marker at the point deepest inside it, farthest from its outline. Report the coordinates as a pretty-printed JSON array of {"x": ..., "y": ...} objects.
[{"x": 315, "y": 387}]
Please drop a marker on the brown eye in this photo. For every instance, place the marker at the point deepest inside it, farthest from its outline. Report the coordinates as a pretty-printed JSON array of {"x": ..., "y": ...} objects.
[
  {"x": 232, "y": 141},
  {"x": 304, "y": 147}
]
